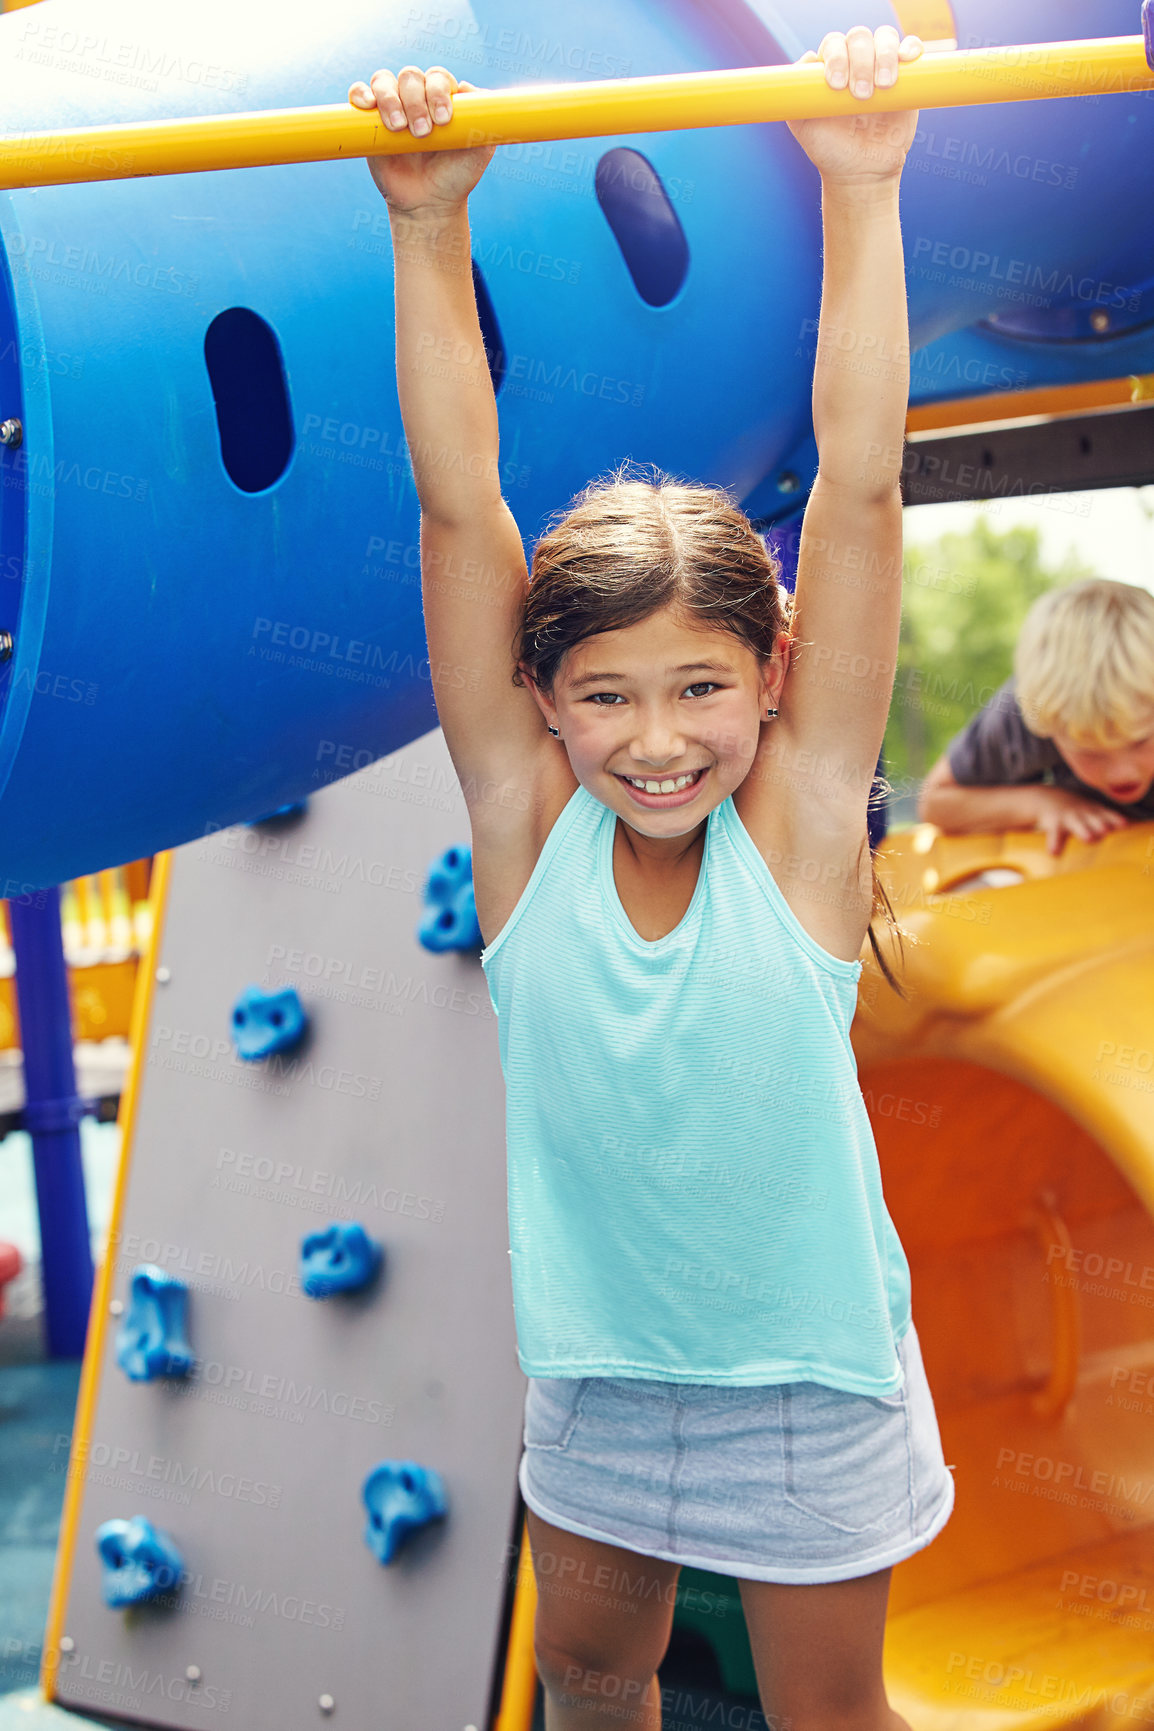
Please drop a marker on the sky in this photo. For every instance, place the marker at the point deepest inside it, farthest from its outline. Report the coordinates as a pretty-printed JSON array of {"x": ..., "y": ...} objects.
[{"x": 1112, "y": 528}]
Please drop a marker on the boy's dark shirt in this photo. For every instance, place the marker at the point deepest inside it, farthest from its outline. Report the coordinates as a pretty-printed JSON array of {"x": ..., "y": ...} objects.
[{"x": 997, "y": 749}]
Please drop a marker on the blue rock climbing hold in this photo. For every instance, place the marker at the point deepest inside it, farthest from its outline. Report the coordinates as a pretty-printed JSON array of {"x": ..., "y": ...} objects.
[
  {"x": 139, "y": 1562},
  {"x": 153, "y": 1338},
  {"x": 295, "y": 809},
  {"x": 401, "y": 1497},
  {"x": 266, "y": 1022},
  {"x": 341, "y": 1258},
  {"x": 450, "y": 921}
]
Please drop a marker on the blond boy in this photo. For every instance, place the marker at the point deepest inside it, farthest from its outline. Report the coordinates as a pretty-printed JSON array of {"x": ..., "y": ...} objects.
[{"x": 1067, "y": 745}]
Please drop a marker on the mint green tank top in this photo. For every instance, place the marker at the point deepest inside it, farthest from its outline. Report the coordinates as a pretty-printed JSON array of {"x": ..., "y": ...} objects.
[{"x": 694, "y": 1190}]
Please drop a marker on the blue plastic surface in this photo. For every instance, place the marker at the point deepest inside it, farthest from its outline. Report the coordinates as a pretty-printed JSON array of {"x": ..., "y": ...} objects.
[
  {"x": 139, "y": 1562},
  {"x": 401, "y": 1497},
  {"x": 263, "y": 1022},
  {"x": 295, "y": 808},
  {"x": 152, "y": 1340},
  {"x": 228, "y": 650},
  {"x": 341, "y": 1258},
  {"x": 450, "y": 921},
  {"x": 1148, "y": 31}
]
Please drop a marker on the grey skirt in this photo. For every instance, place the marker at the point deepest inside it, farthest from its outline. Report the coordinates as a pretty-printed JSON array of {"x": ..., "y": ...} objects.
[{"x": 792, "y": 1482}]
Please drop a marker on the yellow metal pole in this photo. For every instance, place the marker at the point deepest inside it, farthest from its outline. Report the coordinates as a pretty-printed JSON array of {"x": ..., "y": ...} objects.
[
  {"x": 519, "y": 1693},
  {"x": 535, "y": 113},
  {"x": 106, "y": 1275}
]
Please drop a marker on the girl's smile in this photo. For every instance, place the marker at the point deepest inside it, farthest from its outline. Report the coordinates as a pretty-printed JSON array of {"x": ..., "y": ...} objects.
[{"x": 661, "y": 791}]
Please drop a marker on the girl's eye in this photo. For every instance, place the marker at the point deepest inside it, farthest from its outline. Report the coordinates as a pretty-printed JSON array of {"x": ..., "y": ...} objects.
[{"x": 701, "y": 686}]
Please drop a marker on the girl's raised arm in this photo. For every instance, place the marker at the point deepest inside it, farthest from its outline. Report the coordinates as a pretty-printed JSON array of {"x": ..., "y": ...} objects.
[
  {"x": 849, "y": 582},
  {"x": 473, "y": 571}
]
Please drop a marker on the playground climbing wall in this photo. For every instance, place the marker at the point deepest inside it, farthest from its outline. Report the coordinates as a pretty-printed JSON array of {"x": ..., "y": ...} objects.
[{"x": 388, "y": 1113}]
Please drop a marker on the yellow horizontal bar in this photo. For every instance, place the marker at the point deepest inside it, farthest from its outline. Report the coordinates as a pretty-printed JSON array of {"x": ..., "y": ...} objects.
[{"x": 535, "y": 113}]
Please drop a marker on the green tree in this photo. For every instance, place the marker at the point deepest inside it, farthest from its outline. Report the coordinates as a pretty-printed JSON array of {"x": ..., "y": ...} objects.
[{"x": 965, "y": 597}]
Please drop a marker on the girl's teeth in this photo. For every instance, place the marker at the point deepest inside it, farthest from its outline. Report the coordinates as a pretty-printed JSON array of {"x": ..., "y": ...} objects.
[{"x": 663, "y": 786}]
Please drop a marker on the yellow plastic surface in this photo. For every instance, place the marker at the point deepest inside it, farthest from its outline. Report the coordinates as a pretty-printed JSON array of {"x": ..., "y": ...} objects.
[
  {"x": 1012, "y": 1098},
  {"x": 101, "y": 945},
  {"x": 528, "y": 113}
]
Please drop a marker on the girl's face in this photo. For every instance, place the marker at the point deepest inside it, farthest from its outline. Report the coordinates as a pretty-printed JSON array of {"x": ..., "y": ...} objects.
[{"x": 662, "y": 719}]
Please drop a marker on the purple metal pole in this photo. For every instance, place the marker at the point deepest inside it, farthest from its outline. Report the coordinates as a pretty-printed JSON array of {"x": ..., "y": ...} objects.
[{"x": 52, "y": 1115}]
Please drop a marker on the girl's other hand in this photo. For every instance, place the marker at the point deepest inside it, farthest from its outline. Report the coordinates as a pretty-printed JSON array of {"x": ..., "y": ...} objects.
[
  {"x": 420, "y": 101},
  {"x": 860, "y": 148}
]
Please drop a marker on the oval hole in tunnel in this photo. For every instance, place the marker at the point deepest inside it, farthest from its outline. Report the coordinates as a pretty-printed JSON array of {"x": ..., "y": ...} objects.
[
  {"x": 991, "y": 878},
  {"x": 490, "y": 329},
  {"x": 644, "y": 223},
  {"x": 250, "y": 393}
]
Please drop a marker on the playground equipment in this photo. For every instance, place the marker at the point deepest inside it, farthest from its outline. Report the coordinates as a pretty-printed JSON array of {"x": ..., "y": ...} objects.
[
  {"x": 153, "y": 1338},
  {"x": 77, "y": 954},
  {"x": 330, "y": 1422},
  {"x": 450, "y": 921},
  {"x": 104, "y": 924},
  {"x": 401, "y": 1497},
  {"x": 748, "y": 95},
  {"x": 1012, "y": 1099},
  {"x": 186, "y": 361},
  {"x": 341, "y": 1258},
  {"x": 170, "y": 445},
  {"x": 51, "y": 1113},
  {"x": 266, "y": 1022},
  {"x": 139, "y": 1562}
]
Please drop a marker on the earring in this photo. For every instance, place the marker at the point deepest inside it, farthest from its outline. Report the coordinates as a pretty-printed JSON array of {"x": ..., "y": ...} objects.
[
  {"x": 556, "y": 732},
  {"x": 771, "y": 715}
]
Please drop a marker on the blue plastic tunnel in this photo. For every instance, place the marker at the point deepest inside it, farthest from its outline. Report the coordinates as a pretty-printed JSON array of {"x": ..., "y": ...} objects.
[{"x": 208, "y": 535}]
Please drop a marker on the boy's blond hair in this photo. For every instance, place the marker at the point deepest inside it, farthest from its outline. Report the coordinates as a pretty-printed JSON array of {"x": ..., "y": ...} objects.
[{"x": 1084, "y": 664}]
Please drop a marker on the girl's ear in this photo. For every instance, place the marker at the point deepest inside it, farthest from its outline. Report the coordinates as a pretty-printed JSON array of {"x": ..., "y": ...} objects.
[
  {"x": 539, "y": 697},
  {"x": 776, "y": 666},
  {"x": 527, "y": 678}
]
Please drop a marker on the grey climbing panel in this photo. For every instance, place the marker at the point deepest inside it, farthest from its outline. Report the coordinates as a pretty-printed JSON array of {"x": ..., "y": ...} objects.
[{"x": 389, "y": 1113}]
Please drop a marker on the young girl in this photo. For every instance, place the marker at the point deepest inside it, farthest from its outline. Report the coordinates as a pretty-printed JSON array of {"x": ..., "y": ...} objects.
[{"x": 674, "y": 884}]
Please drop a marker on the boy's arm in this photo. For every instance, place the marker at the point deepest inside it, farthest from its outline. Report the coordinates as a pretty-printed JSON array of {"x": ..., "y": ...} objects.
[
  {"x": 962, "y": 810},
  {"x": 848, "y": 597},
  {"x": 473, "y": 570}
]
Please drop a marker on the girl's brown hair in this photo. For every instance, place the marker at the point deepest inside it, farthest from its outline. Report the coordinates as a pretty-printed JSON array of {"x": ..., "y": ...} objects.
[{"x": 630, "y": 547}]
